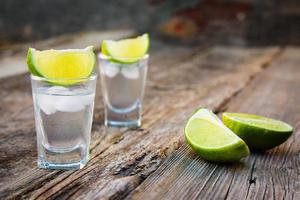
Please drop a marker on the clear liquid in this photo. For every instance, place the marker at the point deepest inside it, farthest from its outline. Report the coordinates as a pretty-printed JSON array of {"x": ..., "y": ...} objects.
[
  {"x": 123, "y": 87},
  {"x": 64, "y": 119}
]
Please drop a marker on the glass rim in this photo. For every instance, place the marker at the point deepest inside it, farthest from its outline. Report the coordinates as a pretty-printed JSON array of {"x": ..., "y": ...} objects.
[
  {"x": 106, "y": 57},
  {"x": 92, "y": 77}
]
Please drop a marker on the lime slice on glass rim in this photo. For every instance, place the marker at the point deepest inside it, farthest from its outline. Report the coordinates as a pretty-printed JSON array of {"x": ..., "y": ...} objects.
[
  {"x": 212, "y": 140},
  {"x": 61, "y": 65},
  {"x": 126, "y": 51},
  {"x": 260, "y": 133}
]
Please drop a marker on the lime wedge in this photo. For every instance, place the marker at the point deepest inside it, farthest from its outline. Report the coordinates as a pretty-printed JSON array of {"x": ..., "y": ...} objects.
[
  {"x": 260, "y": 133},
  {"x": 104, "y": 48},
  {"x": 212, "y": 140},
  {"x": 126, "y": 50},
  {"x": 61, "y": 64}
]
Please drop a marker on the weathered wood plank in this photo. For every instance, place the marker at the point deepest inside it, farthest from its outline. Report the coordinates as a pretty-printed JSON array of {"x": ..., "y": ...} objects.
[
  {"x": 16, "y": 107},
  {"x": 121, "y": 159},
  {"x": 270, "y": 175},
  {"x": 275, "y": 174}
]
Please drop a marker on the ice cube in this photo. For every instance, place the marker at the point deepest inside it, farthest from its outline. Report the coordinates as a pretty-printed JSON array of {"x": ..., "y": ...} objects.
[
  {"x": 131, "y": 72},
  {"x": 85, "y": 95},
  {"x": 69, "y": 104},
  {"x": 58, "y": 98},
  {"x": 73, "y": 103},
  {"x": 87, "y": 99},
  {"x": 111, "y": 70},
  {"x": 46, "y": 103},
  {"x": 58, "y": 90}
]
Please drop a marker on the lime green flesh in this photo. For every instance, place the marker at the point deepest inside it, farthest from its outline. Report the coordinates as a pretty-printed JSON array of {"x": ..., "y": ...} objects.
[
  {"x": 259, "y": 121},
  {"x": 212, "y": 140},
  {"x": 104, "y": 49},
  {"x": 207, "y": 134},
  {"x": 126, "y": 50},
  {"x": 61, "y": 64},
  {"x": 260, "y": 133}
]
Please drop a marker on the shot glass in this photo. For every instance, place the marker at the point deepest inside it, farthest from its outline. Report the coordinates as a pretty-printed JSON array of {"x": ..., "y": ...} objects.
[
  {"x": 63, "y": 117},
  {"x": 123, "y": 88}
]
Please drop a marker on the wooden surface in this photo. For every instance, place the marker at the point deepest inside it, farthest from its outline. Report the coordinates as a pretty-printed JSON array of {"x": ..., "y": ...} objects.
[
  {"x": 270, "y": 175},
  {"x": 153, "y": 162}
]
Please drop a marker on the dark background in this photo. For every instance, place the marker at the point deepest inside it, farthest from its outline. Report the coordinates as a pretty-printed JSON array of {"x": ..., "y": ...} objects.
[{"x": 242, "y": 22}]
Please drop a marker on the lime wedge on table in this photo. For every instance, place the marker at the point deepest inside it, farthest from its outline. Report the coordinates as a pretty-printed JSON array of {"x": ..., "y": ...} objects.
[
  {"x": 61, "y": 64},
  {"x": 126, "y": 50},
  {"x": 260, "y": 133},
  {"x": 212, "y": 140}
]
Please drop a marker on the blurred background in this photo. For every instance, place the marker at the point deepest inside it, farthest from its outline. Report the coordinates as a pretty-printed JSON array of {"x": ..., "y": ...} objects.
[
  {"x": 59, "y": 24},
  {"x": 236, "y": 22}
]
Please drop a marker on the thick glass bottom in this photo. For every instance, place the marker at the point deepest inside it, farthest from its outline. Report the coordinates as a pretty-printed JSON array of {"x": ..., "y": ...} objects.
[
  {"x": 133, "y": 123},
  {"x": 125, "y": 117},
  {"x": 75, "y": 158},
  {"x": 65, "y": 166}
]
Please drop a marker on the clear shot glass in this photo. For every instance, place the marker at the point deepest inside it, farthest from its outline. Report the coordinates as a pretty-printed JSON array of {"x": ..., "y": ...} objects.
[
  {"x": 63, "y": 117},
  {"x": 123, "y": 88}
]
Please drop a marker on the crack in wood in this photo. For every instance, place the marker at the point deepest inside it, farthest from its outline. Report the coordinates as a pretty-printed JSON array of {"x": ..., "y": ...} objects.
[
  {"x": 63, "y": 192},
  {"x": 206, "y": 182},
  {"x": 130, "y": 168},
  {"x": 263, "y": 196},
  {"x": 252, "y": 180},
  {"x": 273, "y": 189},
  {"x": 226, "y": 195},
  {"x": 28, "y": 190},
  {"x": 251, "y": 177}
]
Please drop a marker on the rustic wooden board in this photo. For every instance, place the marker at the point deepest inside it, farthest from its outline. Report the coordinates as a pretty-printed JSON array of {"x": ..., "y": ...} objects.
[
  {"x": 270, "y": 175},
  {"x": 122, "y": 159}
]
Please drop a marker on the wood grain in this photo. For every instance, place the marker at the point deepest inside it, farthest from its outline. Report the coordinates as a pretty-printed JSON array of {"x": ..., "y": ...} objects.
[
  {"x": 273, "y": 174},
  {"x": 122, "y": 159}
]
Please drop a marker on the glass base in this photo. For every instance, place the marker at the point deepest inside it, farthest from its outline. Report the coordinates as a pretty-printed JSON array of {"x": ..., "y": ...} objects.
[
  {"x": 58, "y": 158},
  {"x": 133, "y": 123},
  {"x": 126, "y": 117},
  {"x": 66, "y": 166}
]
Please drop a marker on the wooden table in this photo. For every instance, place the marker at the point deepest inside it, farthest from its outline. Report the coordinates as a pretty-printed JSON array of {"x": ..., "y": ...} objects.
[{"x": 153, "y": 162}]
